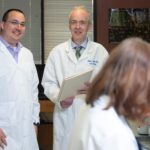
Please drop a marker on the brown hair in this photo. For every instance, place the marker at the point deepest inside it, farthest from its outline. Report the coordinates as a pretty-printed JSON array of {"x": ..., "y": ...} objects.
[{"x": 125, "y": 78}]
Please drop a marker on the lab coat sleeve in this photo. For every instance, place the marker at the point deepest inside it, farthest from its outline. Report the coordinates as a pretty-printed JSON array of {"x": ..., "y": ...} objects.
[
  {"x": 50, "y": 80},
  {"x": 106, "y": 140},
  {"x": 117, "y": 143},
  {"x": 93, "y": 142},
  {"x": 36, "y": 105}
]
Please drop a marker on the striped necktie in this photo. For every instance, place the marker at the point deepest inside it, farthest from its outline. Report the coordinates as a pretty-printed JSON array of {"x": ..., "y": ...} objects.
[{"x": 78, "y": 50}]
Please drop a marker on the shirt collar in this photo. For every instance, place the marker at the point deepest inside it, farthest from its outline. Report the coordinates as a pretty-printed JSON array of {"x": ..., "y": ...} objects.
[
  {"x": 83, "y": 44},
  {"x": 18, "y": 47}
]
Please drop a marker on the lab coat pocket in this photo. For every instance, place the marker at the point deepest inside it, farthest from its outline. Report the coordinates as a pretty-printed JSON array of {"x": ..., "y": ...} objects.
[{"x": 7, "y": 113}]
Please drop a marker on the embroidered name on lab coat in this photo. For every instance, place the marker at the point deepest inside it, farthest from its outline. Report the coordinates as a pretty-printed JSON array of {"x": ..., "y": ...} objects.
[{"x": 93, "y": 62}]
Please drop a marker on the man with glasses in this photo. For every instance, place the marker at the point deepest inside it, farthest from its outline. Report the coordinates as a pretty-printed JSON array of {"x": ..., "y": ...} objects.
[
  {"x": 76, "y": 55},
  {"x": 19, "y": 106}
]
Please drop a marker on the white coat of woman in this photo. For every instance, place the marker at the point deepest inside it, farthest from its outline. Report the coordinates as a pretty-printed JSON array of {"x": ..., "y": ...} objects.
[{"x": 119, "y": 92}]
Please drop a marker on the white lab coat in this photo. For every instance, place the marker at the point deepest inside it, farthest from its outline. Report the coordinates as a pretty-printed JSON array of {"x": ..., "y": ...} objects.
[
  {"x": 99, "y": 129},
  {"x": 19, "y": 106},
  {"x": 61, "y": 63}
]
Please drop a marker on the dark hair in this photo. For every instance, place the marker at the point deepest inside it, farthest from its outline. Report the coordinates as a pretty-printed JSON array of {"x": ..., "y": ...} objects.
[
  {"x": 5, "y": 16},
  {"x": 125, "y": 78}
]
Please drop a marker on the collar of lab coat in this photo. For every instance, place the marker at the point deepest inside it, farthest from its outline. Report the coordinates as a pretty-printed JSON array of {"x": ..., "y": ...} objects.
[
  {"x": 3, "y": 48},
  {"x": 71, "y": 53}
]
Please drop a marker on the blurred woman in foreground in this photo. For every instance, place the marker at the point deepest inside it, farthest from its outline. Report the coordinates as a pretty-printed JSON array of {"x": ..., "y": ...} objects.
[{"x": 120, "y": 91}]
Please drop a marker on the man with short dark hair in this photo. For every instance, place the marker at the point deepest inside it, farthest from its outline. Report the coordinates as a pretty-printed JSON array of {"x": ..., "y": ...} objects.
[{"x": 19, "y": 106}]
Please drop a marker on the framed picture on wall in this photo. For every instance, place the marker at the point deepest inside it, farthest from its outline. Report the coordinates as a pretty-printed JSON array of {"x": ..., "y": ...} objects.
[
  {"x": 128, "y": 22},
  {"x": 115, "y": 20}
]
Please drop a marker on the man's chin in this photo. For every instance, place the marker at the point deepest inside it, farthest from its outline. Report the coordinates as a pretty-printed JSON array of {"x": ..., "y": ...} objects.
[
  {"x": 18, "y": 38},
  {"x": 78, "y": 40}
]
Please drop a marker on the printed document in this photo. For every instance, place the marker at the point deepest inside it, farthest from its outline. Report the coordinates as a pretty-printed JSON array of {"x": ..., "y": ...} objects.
[{"x": 73, "y": 83}]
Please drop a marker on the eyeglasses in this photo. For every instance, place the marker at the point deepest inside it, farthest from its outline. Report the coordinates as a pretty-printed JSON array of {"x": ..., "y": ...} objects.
[{"x": 16, "y": 23}]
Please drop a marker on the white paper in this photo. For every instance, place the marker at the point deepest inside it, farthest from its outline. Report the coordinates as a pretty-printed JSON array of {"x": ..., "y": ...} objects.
[{"x": 73, "y": 83}]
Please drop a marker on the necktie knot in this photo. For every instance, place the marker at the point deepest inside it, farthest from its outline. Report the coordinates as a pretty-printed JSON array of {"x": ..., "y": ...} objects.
[{"x": 78, "y": 51}]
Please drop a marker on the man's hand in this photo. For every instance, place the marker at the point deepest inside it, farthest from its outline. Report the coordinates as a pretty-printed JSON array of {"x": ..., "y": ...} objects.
[
  {"x": 2, "y": 139},
  {"x": 67, "y": 102},
  {"x": 84, "y": 88}
]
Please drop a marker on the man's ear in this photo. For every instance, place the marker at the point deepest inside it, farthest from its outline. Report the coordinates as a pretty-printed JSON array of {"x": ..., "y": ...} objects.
[{"x": 1, "y": 25}]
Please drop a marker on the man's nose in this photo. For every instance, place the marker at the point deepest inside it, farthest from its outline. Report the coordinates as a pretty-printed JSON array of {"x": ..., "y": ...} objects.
[{"x": 78, "y": 25}]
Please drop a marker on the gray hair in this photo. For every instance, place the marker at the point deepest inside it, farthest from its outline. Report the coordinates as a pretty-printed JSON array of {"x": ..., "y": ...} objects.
[{"x": 83, "y": 8}]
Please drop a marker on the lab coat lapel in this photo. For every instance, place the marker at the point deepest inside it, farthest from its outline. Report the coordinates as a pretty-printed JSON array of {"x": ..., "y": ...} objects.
[
  {"x": 87, "y": 52},
  {"x": 70, "y": 53},
  {"x": 7, "y": 53}
]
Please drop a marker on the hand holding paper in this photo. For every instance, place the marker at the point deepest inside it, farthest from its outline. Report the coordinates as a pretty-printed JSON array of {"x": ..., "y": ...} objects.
[
  {"x": 84, "y": 88},
  {"x": 75, "y": 85},
  {"x": 67, "y": 102}
]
